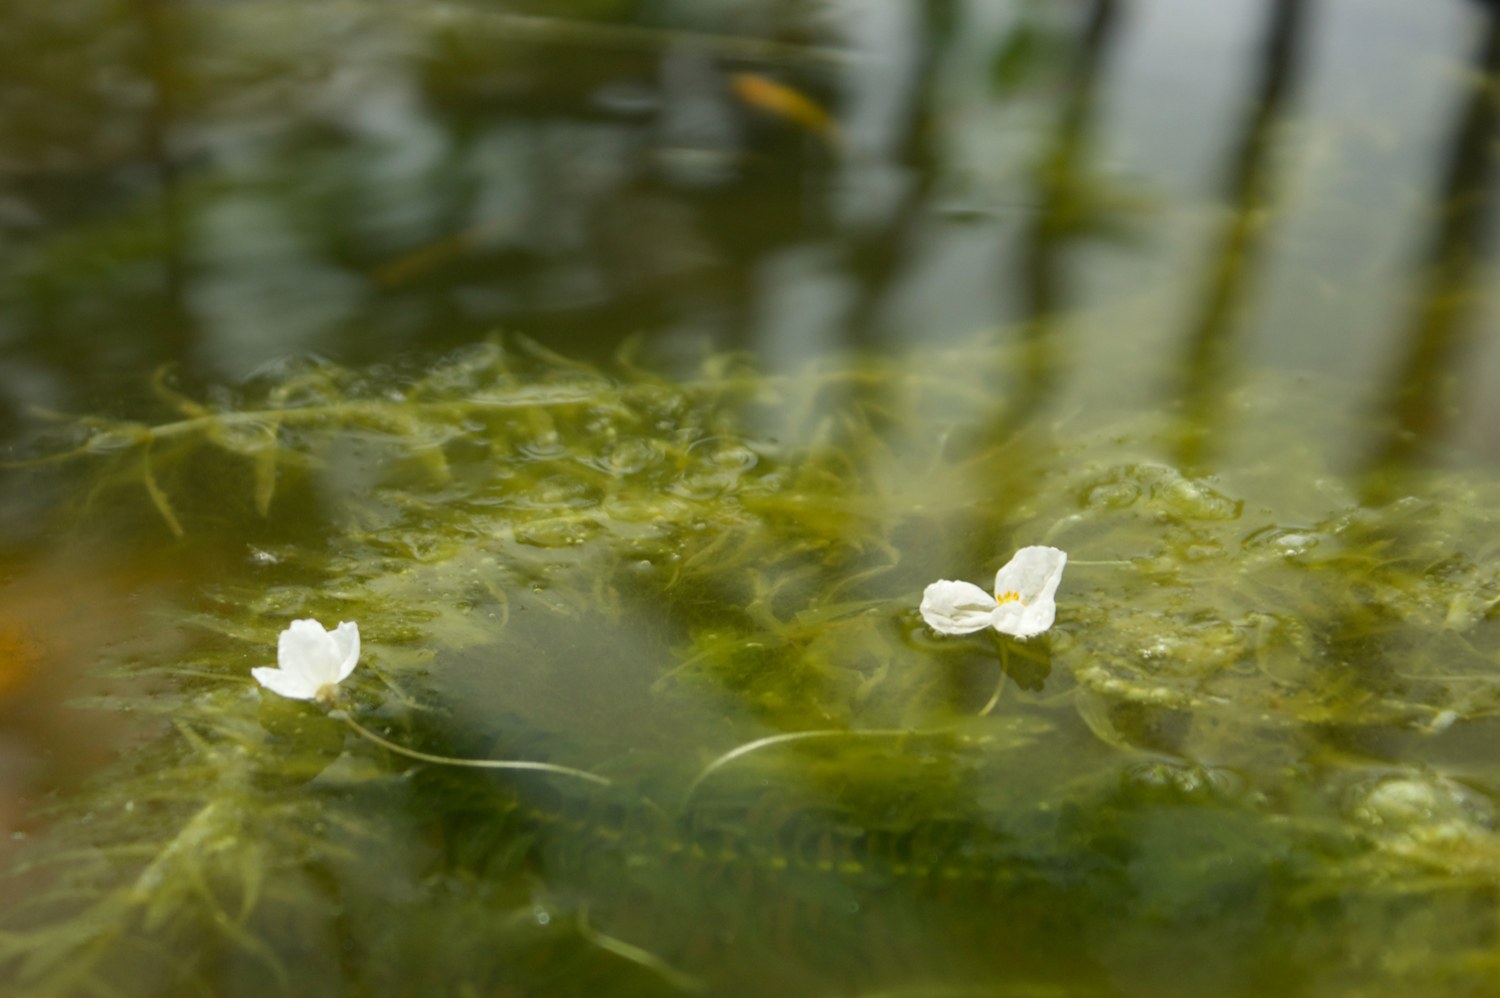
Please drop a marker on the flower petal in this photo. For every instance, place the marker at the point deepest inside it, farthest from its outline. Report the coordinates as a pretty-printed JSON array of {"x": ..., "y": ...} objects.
[
  {"x": 1025, "y": 620},
  {"x": 308, "y": 650},
  {"x": 957, "y": 607},
  {"x": 346, "y": 643},
  {"x": 288, "y": 684},
  {"x": 1032, "y": 575}
]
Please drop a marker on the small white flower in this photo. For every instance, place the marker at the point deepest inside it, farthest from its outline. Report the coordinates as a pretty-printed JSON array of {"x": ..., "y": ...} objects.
[
  {"x": 1023, "y": 605},
  {"x": 311, "y": 661}
]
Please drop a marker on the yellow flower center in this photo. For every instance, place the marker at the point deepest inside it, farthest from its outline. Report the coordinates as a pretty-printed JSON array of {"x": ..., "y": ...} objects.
[{"x": 1010, "y": 597}]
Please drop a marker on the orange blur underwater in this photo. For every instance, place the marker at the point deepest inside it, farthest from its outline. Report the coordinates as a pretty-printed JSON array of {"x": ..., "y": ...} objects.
[{"x": 782, "y": 101}]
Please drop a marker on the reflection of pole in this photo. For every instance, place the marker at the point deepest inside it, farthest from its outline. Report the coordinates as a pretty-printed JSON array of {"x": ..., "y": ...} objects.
[
  {"x": 1440, "y": 329},
  {"x": 878, "y": 259},
  {"x": 1206, "y": 365},
  {"x": 1057, "y": 220},
  {"x": 157, "y": 55},
  {"x": 1437, "y": 334}
]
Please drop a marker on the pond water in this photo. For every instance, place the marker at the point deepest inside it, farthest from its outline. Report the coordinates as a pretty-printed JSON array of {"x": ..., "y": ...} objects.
[{"x": 626, "y": 369}]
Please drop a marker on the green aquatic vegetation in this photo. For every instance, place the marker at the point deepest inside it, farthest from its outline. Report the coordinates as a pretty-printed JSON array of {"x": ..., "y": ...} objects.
[{"x": 703, "y": 588}]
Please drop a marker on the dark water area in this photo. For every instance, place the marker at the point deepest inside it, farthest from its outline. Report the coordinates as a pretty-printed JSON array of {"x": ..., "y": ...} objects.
[{"x": 626, "y": 369}]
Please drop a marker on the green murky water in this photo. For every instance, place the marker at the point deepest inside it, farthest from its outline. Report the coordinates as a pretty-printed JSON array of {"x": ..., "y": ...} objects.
[{"x": 626, "y": 371}]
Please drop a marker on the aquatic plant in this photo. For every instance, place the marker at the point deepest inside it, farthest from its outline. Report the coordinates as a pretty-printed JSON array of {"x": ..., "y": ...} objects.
[{"x": 700, "y": 588}]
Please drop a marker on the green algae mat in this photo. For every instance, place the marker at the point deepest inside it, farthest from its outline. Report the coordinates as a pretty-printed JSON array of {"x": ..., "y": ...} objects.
[{"x": 1250, "y": 754}]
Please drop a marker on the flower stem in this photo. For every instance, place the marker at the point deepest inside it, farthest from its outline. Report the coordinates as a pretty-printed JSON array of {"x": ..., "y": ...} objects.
[
  {"x": 1000, "y": 683},
  {"x": 791, "y": 736},
  {"x": 636, "y": 955},
  {"x": 443, "y": 760}
]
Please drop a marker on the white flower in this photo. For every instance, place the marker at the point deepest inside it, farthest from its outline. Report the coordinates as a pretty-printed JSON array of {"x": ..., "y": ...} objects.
[
  {"x": 311, "y": 661},
  {"x": 1023, "y": 605}
]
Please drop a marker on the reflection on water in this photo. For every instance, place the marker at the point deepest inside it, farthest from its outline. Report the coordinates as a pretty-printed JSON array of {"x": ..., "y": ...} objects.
[
  {"x": 819, "y": 303},
  {"x": 1449, "y": 294},
  {"x": 1249, "y": 189}
]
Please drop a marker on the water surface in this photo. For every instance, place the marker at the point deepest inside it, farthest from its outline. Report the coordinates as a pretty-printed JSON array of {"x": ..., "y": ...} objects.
[{"x": 626, "y": 370}]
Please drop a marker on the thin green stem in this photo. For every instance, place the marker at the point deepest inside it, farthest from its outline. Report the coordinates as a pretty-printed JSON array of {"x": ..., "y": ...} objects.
[
  {"x": 770, "y": 740},
  {"x": 1000, "y": 683},
  {"x": 443, "y": 760},
  {"x": 637, "y": 955}
]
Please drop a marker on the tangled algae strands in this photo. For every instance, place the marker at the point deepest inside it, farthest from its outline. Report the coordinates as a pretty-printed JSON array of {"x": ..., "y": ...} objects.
[{"x": 690, "y": 586}]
